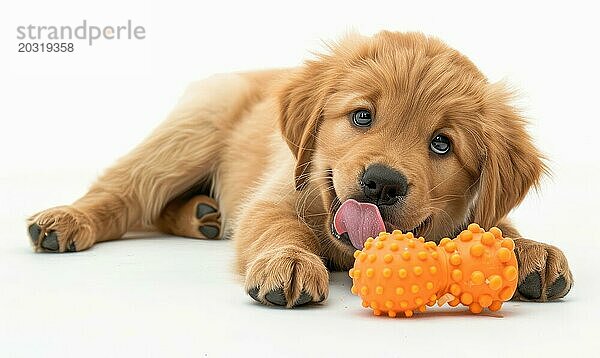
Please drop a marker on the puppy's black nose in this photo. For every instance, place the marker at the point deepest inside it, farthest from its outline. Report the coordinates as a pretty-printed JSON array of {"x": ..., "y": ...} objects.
[{"x": 383, "y": 185}]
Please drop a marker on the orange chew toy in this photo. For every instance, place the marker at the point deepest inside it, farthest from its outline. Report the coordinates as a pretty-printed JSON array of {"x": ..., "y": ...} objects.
[{"x": 398, "y": 273}]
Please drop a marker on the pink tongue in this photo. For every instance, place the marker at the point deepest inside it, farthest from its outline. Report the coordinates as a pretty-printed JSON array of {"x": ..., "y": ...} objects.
[{"x": 359, "y": 220}]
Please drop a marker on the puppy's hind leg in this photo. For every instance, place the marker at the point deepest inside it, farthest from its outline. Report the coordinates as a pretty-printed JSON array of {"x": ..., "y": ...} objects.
[
  {"x": 131, "y": 194},
  {"x": 184, "y": 150}
]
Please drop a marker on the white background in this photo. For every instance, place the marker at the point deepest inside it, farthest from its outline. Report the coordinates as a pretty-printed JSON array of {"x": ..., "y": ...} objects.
[{"x": 64, "y": 117}]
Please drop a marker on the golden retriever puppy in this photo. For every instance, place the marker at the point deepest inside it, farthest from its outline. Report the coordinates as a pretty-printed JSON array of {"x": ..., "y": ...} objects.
[{"x": 394, "y": 131}]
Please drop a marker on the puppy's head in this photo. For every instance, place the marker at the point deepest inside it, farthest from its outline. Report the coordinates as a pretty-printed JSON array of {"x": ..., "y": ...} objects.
[{"x": 405, "y": 123}]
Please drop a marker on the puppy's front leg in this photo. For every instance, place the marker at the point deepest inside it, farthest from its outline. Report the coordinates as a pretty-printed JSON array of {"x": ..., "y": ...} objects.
[{"x": 278, "y": 255}]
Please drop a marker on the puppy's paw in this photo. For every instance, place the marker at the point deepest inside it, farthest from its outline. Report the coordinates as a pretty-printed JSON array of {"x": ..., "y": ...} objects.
[
  {"x": 198, "y": 217},
  {"x": 60, "y": 229},
  {"x": 287, "y": 276},
  {"x": 544, "y": 273}
]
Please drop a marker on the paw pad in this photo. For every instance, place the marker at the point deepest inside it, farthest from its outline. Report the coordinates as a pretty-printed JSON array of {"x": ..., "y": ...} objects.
[
  {"x": 531, "y": 287},
  {"x": 209, "y": 231},
  {"x": 208, "y": 217},
  {"x": 203, "y": 209},
  {"x": 276, "y": 297},
  {"x": 50, "y": 242},
  {"x": 557, "y": 289},
  {"x": 34, "y": 233}
]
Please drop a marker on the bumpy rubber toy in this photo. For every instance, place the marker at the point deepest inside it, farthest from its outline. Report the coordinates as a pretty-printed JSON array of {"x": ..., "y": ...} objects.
[{"x": 398, "y": 273}]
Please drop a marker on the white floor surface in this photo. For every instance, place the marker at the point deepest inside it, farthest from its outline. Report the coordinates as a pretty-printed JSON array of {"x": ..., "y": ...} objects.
[{"x": 169, "y": 296}]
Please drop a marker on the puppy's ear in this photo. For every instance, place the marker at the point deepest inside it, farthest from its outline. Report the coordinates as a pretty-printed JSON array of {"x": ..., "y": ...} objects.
[
  {"x": 301, "y": 103},
  {"x": 511, "y": 164},
  {"x": 304, "y": 96}
]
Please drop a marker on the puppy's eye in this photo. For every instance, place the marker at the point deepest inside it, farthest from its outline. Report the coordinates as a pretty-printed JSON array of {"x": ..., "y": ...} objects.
[
  {"x": 440, "y": 144},
  {"x": 362, "y": 118}
]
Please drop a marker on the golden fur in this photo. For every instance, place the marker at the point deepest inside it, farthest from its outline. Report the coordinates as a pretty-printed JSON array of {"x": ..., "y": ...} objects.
[{"x": 277, "y": 189}]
